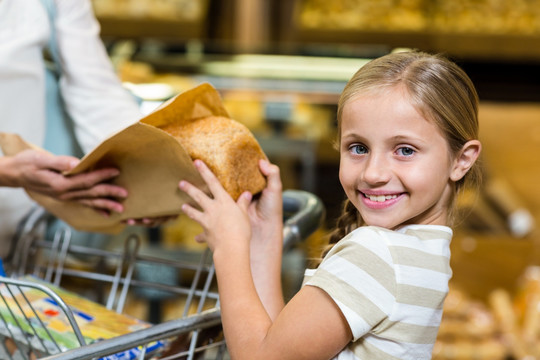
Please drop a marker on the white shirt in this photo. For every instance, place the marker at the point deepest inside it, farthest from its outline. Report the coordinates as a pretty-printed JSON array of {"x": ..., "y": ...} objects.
[
  {"x": 390, "y": 287},
  {"x": 92, "y": 92}
]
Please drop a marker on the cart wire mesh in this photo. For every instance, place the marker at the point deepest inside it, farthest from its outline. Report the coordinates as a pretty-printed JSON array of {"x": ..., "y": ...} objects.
[{"x": 115, "y": 274}]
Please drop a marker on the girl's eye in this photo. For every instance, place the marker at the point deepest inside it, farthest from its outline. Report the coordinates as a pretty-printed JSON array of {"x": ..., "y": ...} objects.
[
  {"x": 358, "y": 149},
  {"x": 406, "y": 151}
]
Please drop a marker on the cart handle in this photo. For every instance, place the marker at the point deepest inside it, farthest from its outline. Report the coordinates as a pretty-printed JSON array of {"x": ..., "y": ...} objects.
[{"x": 307, "y": 215}]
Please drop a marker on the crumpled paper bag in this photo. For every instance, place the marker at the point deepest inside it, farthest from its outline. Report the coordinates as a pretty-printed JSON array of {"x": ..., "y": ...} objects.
[{"x": 151, "y": 164}]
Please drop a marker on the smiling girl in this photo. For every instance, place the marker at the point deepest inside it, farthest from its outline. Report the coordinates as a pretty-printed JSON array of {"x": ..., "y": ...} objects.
[{"x": 408, "y": 130}]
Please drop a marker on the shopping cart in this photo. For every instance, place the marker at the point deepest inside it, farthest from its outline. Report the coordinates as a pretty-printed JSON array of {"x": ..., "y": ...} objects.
[{"x": 115, "y": 274}]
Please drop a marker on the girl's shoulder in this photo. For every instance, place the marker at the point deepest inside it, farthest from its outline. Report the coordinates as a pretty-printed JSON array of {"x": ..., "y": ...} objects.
[
  {"x": 367, "y": 240},
  {"x": 420, "y": 232},
  {"x": 428, "y": 238}
]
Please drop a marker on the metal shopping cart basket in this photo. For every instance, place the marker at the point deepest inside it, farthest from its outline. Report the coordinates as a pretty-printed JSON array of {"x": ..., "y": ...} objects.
[{"x": 196, "y": 334}]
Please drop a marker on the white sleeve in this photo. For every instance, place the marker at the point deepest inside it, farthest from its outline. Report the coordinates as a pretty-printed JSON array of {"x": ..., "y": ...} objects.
[
  {"x": 93, "y": 94},
  {"x": 358, "y": 275}
]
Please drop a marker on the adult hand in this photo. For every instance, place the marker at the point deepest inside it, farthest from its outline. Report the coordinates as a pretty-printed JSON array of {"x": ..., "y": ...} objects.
[
  {"x": 42, "y": 173},
  {"x": 150, "y": 221}
]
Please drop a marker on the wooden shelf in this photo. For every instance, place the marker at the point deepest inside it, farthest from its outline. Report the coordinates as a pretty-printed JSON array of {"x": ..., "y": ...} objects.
[
  {"x": 144, "y": 28},
  {"x": 467, "y": 45}
]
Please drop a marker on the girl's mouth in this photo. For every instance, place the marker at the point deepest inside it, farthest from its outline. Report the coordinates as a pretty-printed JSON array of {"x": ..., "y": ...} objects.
[
  {"x": 380, "y": 198},
  {"x": 380, "y": 201}
]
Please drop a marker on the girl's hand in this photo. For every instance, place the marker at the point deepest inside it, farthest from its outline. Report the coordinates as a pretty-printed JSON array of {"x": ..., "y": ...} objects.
[
  {"x": 266, "y": 216},
  {"x": 266, "y": 213},
  {"x": 225, "y": 222}
]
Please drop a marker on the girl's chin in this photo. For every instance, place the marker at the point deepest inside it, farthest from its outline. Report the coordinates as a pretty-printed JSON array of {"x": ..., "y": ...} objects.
[{"x": 383, "y": 223}]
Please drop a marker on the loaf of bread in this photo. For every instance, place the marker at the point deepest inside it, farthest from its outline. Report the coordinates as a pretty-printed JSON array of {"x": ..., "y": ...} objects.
[{"x": 228, "y": 148}]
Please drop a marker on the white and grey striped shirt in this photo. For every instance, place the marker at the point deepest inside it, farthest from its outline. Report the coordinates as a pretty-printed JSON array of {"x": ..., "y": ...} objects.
[{"x": 390, "y": 286}]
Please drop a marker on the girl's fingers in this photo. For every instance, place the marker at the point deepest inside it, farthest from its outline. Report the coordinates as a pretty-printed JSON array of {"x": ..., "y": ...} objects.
[
  {"x": 211, "y": 180},
  {"x": 198, "y": 196},
  {"x": 200, "y": 238},
  {"x": 272, "y": 174},
  {"x": 195, "y": 193},
  {"x": 193, "y": 213},
  {"x": 244, "y": 200}
]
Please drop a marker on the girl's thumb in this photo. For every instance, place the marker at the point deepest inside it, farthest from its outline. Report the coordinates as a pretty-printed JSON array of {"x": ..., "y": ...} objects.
[{"x": 244, "y": 200}]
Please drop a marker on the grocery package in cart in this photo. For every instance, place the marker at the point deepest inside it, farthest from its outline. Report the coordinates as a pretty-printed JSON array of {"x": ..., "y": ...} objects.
[{"x": 28, "y": 308}]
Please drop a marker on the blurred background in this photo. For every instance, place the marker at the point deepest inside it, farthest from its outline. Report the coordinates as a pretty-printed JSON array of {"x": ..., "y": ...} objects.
[{"x": 280, "y": 66}]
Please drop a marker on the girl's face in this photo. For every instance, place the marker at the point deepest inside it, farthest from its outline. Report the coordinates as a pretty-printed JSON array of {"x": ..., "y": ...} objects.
[{"x": 395, "y": 165}]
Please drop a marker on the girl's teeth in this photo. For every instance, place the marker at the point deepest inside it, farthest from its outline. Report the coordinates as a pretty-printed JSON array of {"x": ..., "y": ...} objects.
[{"x": 381, "y": 198}]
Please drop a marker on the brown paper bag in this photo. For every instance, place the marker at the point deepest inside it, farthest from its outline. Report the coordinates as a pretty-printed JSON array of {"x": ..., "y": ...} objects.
[{"x": 151, "y": 163}]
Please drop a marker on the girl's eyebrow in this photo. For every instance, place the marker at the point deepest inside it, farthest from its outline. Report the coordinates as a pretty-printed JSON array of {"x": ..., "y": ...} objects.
[
  {"x": 399, "y": 138},
  {"x": 408, "y": 138},
  {"x": 396, "y": 138},
  {"x": 351, "y": 134}
]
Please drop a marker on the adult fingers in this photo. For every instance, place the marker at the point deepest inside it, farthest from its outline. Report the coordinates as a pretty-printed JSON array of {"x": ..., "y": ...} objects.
[
  {"x": 102, "y": 204},
  {"x": 150, "y": 221},
  {"x": 59, "y": 163},
  {"x": 89, "y": 179},
  {"x": 97, "y": 191},
  {"x": 90, "y": 184},
  {"x": 42, "y": 160}
]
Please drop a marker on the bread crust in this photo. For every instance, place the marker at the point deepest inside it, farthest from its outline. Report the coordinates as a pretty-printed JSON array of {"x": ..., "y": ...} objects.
[{"x": 228, "y": 148}]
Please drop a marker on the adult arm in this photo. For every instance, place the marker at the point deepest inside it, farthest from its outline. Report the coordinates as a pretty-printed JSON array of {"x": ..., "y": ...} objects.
[{"x": 93, "y": 94}]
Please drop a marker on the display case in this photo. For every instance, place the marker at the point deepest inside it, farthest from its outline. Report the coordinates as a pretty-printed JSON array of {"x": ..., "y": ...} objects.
[
  {"x": 290, "y": 103},
  {"x": 481, "y": 29},
  {"x": 168, "y": 20}
]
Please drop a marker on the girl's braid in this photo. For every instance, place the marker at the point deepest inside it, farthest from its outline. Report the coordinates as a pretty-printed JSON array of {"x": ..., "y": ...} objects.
[{"x": 347, "y": 222}]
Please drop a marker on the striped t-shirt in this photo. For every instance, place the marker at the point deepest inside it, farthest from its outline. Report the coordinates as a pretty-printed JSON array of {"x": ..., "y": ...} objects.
[{"x": 390, "y": 286}]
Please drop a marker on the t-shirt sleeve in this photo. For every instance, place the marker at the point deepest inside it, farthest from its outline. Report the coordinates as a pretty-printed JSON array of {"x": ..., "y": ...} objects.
[{"x": 358, "y": 275}]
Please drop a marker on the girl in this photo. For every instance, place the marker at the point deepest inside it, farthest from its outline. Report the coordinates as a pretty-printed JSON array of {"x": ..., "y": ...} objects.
[{"x": 408, "y": 129}]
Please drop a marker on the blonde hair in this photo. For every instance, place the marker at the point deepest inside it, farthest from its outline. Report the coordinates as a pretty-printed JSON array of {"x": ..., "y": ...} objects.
[{"x": 439, "y": 89}]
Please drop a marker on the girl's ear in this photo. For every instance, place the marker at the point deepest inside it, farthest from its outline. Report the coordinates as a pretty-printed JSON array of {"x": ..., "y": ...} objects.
[{"x": 465, "y": 159}]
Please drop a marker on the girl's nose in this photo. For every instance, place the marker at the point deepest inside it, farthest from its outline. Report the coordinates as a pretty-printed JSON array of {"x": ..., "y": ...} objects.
[{"x": 376, "y": 170}]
